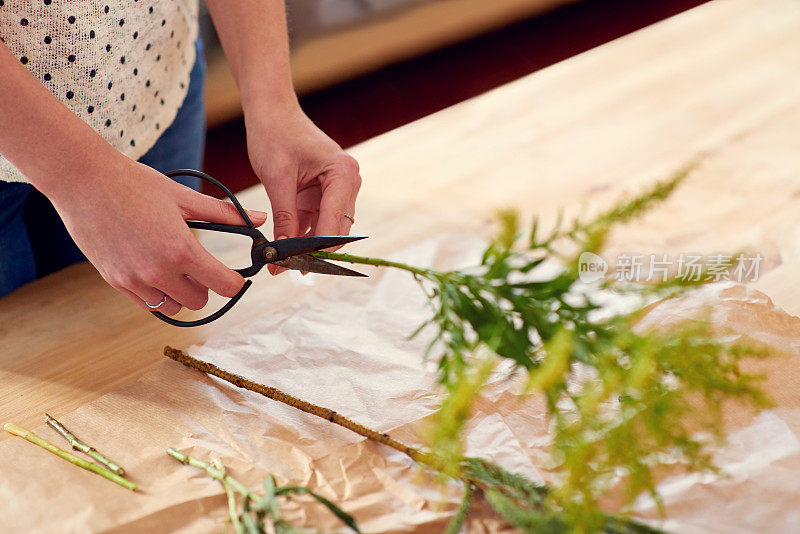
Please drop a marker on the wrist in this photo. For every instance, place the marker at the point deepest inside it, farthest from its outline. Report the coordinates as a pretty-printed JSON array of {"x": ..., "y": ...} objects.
[
  {"x": 277, "y": 100},
  {"x": 79, "y": 176}
]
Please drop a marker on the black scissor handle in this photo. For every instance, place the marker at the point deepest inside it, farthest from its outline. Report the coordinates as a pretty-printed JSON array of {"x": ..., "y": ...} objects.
[
  {"x": 205, "y": 320},
  {"x": 212, "y": 180},
  {"x": 259, "y": 241},
  {"x": 249, "y": 231}
]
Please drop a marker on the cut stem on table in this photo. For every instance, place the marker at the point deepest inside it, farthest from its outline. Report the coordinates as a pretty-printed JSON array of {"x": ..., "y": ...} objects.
[
  {"x": 11, "y": 428},
  {"x": 79, "y": 445}
]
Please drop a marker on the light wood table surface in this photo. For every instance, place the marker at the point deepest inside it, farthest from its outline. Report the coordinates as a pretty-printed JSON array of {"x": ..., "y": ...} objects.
[{"x": 720, "y": 83}]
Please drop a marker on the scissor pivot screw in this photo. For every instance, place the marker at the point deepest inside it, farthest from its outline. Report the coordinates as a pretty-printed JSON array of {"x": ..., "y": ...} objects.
[{"x": 270, "y": 254}]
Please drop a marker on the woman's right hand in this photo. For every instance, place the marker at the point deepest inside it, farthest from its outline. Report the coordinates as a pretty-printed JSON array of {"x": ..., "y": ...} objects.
[{"x": 130, "y": 223}]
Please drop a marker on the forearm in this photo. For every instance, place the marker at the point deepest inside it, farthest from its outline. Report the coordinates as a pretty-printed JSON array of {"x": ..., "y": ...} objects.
[
  {"x": 255, "y": 39},
  {"x": 49, "y": 144}
]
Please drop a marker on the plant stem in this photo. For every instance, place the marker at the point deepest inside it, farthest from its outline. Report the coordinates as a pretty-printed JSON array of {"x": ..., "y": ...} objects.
[
  {"x": 266, "y": 505},
  {"x": 428, "y": 459},
  {"x": 213, "y": 472},
  {"x": 232, "y": 511},
  {"x": 425, "y": 458},
  {"x": 229, "y": 484},
  {"x": 313, "y": 409},
  {"x": 377, "y": 262},
  {"x": 78, "y": 445},
  {"x": 11, "y": 428}
]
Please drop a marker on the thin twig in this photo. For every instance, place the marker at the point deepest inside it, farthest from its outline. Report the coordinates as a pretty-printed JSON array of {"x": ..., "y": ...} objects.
[
  {"x": 232, "y": 512},
  {"x": 313, "y": 409},
  {"x": 212, "y": 471},
  {"x": 79, "y": 445},
  {"x": 425, "y": 458},
  {"x": 11, "y": 428}
]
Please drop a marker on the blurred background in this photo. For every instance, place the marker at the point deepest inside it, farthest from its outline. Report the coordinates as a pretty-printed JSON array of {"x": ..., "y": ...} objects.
[{"x": 363, "y": 67}]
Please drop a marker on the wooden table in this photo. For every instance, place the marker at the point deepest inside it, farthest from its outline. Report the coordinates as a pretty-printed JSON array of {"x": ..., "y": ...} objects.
[{"x": 720, "y": 84}]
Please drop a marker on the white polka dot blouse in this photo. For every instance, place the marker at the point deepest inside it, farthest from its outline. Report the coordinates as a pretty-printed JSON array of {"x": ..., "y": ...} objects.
[{"x": 123, "y": 67}]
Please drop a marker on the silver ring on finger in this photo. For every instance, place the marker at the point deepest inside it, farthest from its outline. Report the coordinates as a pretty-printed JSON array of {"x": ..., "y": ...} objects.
[
  {"x": 156, "y": 306},
  {"x": 350, "y": 217}
]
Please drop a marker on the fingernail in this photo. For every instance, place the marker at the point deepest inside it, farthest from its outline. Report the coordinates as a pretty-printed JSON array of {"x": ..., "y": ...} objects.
[{"x": 281, "y": 237}]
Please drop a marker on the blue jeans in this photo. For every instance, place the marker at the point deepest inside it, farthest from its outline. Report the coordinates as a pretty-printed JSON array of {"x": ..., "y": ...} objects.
[{"x": 33, "y": 240}]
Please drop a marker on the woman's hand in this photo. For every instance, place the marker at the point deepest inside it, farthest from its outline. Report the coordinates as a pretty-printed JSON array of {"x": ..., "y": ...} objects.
[
  {"x": 129, "y": 222},
  {"x": 311, "y": 182}
]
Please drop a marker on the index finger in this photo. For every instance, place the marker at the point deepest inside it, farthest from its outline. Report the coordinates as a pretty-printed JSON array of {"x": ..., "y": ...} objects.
[{"x": 215, "y": 275}]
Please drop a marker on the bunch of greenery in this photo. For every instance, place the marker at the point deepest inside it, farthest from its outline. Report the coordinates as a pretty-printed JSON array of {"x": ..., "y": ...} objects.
[{"x": 649, "y": 393}]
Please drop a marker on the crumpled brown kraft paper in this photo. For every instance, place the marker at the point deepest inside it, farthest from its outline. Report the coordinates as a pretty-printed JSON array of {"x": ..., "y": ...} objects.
[{"x": 347, "y": 349}]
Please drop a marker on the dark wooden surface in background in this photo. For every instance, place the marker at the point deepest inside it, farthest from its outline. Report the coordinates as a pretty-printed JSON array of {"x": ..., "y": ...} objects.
[{"x": 367, "y": 106}]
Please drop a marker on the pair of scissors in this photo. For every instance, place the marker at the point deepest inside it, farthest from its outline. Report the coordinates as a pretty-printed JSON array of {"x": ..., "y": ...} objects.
[{"x": 291, "y": 253}]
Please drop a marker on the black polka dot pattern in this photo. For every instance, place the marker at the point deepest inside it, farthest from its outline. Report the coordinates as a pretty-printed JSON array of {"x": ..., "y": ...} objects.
[{"x": 120, "y": 66}]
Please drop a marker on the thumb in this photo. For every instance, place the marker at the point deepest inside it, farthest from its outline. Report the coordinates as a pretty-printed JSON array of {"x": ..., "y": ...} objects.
[
  {"x": 205, "y": 208},
  {"x": 283, "y": 198}
]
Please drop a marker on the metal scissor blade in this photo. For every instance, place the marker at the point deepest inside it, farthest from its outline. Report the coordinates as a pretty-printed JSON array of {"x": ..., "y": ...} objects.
[
  {"x": 301, "y": 245},
  {"x": 310, "y": 264}
]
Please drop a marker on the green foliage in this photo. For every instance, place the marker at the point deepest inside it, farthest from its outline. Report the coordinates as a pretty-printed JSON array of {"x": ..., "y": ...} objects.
[
  {"x": 647, "y": 396},
  {"x": 260, "y": 513},
  {"x": 444, "y": 433},
  {"x": 527, "y": 505},
  {"x": 505, "y": 309}
]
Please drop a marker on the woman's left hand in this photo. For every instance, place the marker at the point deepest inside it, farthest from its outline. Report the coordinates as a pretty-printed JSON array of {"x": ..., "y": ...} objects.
[{"x": 311, "y": 182}]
